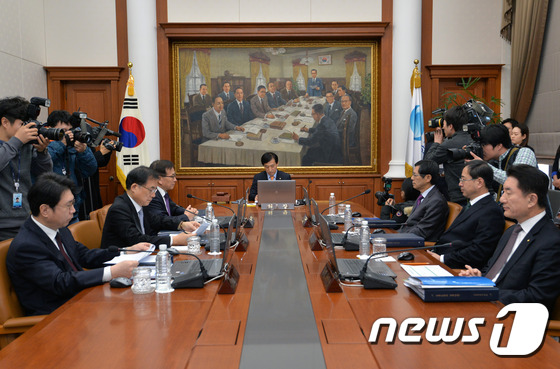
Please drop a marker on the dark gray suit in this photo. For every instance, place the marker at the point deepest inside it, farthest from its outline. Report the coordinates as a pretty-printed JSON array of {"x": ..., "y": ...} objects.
[
  {"x": 288, "y": 95},
  {"x": 226, "y": 97},
  {"x": 429, "y": 218},
  {"x": 259, "y": 109},
  {"x": 333, "y": 112},
  {"x": 199, "y": 102},
  {"x": 211, "y": 127},
  {"x": 348, "y": 118}
]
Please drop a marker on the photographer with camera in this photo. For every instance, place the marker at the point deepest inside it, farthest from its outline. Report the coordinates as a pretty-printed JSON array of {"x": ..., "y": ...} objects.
[
  {"x": 398, "y": 212},
  {"x": 19, "y": 161},
  {"x": 452, "y": 127},
  {"x": 71, "y": 156}
]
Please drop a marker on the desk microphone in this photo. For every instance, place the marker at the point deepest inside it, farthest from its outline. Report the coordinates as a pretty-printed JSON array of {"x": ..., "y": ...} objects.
[
  {"x": 219, "y": 225},
  {"x": 190, "y": 196},
  {"x": 189, "y": 281},
  {"x": 342, "y": 202},
  {"x": 302, "y": 201},
  {"x": 374, "y": 280}
]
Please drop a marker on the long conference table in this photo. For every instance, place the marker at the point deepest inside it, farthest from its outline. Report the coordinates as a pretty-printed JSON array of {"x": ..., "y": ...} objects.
[{"x": 279, "y": 317}]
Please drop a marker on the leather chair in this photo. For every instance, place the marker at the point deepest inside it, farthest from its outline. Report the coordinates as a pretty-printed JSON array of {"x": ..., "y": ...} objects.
[
  {"x": 554, "y": 320},
  {"x": 508, "y": 224},
  {"x": 13, "y": 322},
  {"x": 454, "y": 210},
  {"x": 100, "y": 215},
  {"x": 87, "y": 232}
]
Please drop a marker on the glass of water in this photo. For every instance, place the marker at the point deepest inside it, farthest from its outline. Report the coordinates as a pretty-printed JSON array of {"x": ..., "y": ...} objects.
[
  {"x": 379, "y": 245},
  {"x": 142, "y": 283}
]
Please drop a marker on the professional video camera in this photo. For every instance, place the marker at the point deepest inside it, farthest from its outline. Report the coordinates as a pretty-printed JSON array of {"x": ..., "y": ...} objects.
[
  {"x": 383, "y": 196},
  {"x": 436, "y": 122},
  {"x": 33, "y": 111},
  {"x": 93, "y": 136}
]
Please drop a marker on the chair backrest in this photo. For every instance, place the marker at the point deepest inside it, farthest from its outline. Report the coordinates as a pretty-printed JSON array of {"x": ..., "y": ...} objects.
[
  {"x": 509, "y": 223},
  {"x": 87, "y": 232},
  {"x": 9, "y": 303},
  {"x": 454, "y": 210},
  {"x": 100, "y": 215}
]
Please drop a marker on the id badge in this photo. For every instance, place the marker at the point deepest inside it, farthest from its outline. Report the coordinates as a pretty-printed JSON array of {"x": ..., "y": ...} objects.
[{"x": 17, "y": 200}]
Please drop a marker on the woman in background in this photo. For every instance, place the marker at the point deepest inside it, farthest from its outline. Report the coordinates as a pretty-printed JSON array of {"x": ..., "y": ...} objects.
[{"x": 520, "y": 136}]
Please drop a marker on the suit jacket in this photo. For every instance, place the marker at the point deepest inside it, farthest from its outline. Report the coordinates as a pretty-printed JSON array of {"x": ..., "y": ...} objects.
[
  {"x": 157, "y": 209},
  {"x": 311, "y": 87},
  {"x": 323, "y": 142},
  {"x": 226, "y": 97},
  {"x": 42, "y": 279},
  {"x": 532, "y": 274},
  {"x": 122, "y": 226},
  {"x": 348, "y": 118},
  {"x": 474, "y": 234},
  {"x": 428, "y": 219},
  {"x": 288, "y": 95},
  {"x": 259, "y": 110},
  {"x": 275, "y": 100},
  {"x": 234, "y": 113},
  {"x": 197, "y": 101},
  {"x": 335, "y": 112},
  {"x": 211, "y": 127},
  {"x": 262, "y": 176}
]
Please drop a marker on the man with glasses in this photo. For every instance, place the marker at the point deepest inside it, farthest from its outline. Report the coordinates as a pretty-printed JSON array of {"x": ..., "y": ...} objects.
[
  {"x": 45, "y": 263},
  {"x": 128, "y": 223},
  {"x": 162, "y": 206},
  {"x": 478, "y": 228}
]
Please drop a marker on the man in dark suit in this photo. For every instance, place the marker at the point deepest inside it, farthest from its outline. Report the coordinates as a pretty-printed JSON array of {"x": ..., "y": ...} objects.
[
  {"x": 239, "y": 111},
  {"x": 215, "y": 123},
  {"x": 526, "y": 263},
  {"x": 162, "y": 206},
  {"x": 334, "y": 91},
  {"x": 288, "y": 93},
  {"x": 273, "y": 97},
  {"x": 348, "y": 118},
  {"x": 333, "y": 109},
  {"x": 226, "y": 94},
  {"x": 430, "y": 212},
  {"x": 270, "y": 162},
  {"x": 202, "y": 99},
  {"x": 259, "y": 104},
  {"x": 128, "y": 223},
  {"x": 44, "y": 261},
  {"x": 314, "y": 85},
  {"x": 323, "y": 141},
  {"x": 476, "y": 230}
]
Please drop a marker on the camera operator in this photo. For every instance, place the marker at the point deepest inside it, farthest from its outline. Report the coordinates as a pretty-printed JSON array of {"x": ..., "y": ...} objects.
[
  {"x": 400, "y": 212},
  {"x": 71, "y": 158},
  {"x": 456, "y": 138},
  {"x": 18, "y": 163},
  {"x": 496, "y": 145},
  {"x": 93, "y": 199}
]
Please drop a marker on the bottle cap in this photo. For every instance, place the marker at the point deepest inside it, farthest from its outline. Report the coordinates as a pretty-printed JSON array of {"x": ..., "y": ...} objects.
[
  {"x": 162, "y": 247},
  {"x": 348, "y": 206},
  {"x": 364, "y": 222},
  {"x": 208, "y": 204},
  {"x": 214, "y": 221},
  {"x": 332, "y": 193}
]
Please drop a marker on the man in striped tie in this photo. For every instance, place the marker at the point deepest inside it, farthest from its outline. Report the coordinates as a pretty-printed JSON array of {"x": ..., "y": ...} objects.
[{"x": 270, "y": 162}]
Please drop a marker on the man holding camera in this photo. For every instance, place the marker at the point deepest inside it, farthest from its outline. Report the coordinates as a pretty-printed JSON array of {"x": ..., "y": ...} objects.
[
  {"x": 453, "y": 121},
  {"x": 71, "y": 158},
  {"x": 19, "y": 160}
]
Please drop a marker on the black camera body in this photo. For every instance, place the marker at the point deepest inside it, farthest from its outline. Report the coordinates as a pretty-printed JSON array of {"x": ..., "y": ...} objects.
[
  {"x": 93, "y": 135},
  {"x": 33, "y": 111},
  {"x": 115, "y": 146},
  {"x": 383, "y": 196}
]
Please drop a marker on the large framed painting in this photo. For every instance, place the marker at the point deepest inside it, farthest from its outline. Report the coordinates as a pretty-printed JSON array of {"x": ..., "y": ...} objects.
[{"x": 315, "y": 104}]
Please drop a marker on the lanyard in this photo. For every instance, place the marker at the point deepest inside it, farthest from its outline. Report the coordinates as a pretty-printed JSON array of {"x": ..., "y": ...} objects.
[{"x": 14, "y": 179}]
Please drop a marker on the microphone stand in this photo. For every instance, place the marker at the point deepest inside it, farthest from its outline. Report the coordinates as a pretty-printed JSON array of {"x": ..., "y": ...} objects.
[
  {"x": 240, "y": 237},
  {"x": 190, "y": 196},
  {"x": 342, "y": 202}
]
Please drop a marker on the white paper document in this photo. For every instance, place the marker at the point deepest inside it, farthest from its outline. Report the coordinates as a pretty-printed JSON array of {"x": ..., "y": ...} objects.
[
  {"x": 141, "y": 257},
  {"x": 425, "y": 271}
]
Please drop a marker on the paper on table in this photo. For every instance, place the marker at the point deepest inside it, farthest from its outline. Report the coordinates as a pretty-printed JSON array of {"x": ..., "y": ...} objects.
[
  {"x": 200, "y": 230},
  {"x": 425, "y": 271},
  {"x": 138, "y": 256}
]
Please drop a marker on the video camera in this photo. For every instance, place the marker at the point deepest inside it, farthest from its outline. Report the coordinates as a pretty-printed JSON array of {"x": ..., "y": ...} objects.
[
  {"x": 33, "y": 111},
  {"x": 93, "y": 135},
  {"x": 383, "y": 196}
]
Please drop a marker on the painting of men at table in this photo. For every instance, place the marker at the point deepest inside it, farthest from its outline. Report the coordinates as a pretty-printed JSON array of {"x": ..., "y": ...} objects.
[{"x": 271, "y": 94}]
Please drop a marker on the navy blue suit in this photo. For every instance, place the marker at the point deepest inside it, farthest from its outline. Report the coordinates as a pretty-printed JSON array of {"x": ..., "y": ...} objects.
[
  {"x": 429, "y": 218},
  {"x": 234, "y": 113},
  {"x": 42, "y": 279},
  {"x": 157, "y": 209},
  {"x": 312, "y": 87},
  {"x": 335, "y": 112},
  {"x": 323, "y": 142},
  {"x": 262, "y": 176},
  {"x": 226, "y": 97},
  {"x": 474, "y": 234}
]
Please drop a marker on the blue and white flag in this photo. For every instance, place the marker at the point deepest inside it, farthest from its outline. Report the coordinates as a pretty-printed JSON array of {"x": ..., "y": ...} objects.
[{"x": 415, "y": 140}]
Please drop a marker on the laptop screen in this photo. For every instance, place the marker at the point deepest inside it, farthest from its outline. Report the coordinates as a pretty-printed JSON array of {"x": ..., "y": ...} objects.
[
  {"x": 326, "y": 235},
  {"x": 227, "y": 253},
  {"x": 316, "y": 214},
  {"x": 277, "y": 192},
  {"x": 307, "y": 205}
]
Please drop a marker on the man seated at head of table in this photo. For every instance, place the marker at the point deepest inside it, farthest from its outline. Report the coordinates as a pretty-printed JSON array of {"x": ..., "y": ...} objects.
[
  {"x": 429, "y": 214},
  {"x": 215, "y": 123},
  {"x": 323, "y": 141},
  {"x": 526, "y": 263},
  {"x": 478, "y": 227},
  {"x": 259, "y": 104},
  {"x": 270, "y": 162},
  {"x": 202, "y": 99},
  {"x": 127, "y": 222},
  {"x": 288, "y": 93},
  {"x": 273, "y": 97},
  {"x": 44, "y": 261},
  {"x": 239, "y": 111}
]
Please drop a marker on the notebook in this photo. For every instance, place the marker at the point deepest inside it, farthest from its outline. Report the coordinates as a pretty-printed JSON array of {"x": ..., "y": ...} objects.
[{"x": 277, "y": 194}]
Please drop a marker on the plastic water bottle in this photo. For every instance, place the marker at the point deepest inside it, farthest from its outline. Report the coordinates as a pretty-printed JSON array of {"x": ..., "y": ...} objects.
[
  {"x": 163, "y": 270},
  {"x": 347, "y": 218},
  {"x": 209, "y": 211},
  {"x": 332, "y": 202},
  {"x": 364, "y": 239},
  {"x": 214, "y": 238}
]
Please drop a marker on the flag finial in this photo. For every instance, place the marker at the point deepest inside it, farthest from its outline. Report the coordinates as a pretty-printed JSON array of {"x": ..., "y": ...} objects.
[
  {"x": 415, "y": 80},
  {"x": 130, "y": 82}
]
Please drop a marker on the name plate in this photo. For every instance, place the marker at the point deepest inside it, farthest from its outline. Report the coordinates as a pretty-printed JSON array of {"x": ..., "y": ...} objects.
[{"x": 276, "y": 206}]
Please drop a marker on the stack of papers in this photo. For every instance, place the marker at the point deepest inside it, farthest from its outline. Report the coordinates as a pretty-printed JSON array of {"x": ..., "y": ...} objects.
[
  {"x": 143, "y": 258},
  {"x": 453, "y": 288}
]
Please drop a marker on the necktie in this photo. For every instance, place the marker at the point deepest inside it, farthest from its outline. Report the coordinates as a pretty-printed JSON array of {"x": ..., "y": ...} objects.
[
  {"x": 167, "y": 206},
  {"x": 501, "y": 261},
  {"x": 419, "y": 200},
  {"x": 241, "y": 108},
  {"x": 262, "y": 103},
  {"x": 467, "y": 206},
  {"x": 272, "y": 178},
  {"x": 141, "y": 218},
  {"x": 63, "y": 252}
]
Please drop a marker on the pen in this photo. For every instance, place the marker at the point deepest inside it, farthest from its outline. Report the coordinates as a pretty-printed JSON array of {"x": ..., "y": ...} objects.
[{"x": 415, "y": 263}]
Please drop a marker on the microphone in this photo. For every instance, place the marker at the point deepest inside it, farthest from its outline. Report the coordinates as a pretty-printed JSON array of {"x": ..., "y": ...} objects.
[
  {"x": 190, "y": 196},
  {"x": 174, "y": 252},
  {"x": 342, "y": 202},
  {"x": 374, "y": 280}
]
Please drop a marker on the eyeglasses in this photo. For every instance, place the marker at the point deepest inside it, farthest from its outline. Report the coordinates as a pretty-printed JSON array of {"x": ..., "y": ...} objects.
[
  {"x": 68, "y": 206},
  {"x": 171, "y": 176},
  {"x": 417, "y": 175},
  {"x": 152, "y": 190},
  {"x": 466, "y": 180}
]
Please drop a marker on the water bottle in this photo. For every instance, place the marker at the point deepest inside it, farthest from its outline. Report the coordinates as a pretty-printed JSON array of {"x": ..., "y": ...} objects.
[
  {"x": 214, "y": 238},
  {"x": 209, "y": 211},
  {"x": 364, "y": 239},
  {"x": 163, "y": 270},
  {"x": 347, "y": 218},
  {"x": 332, "y": 207}
]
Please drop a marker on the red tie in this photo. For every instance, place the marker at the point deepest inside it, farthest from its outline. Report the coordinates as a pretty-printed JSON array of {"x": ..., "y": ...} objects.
[{"x": 63, "y": 252}]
